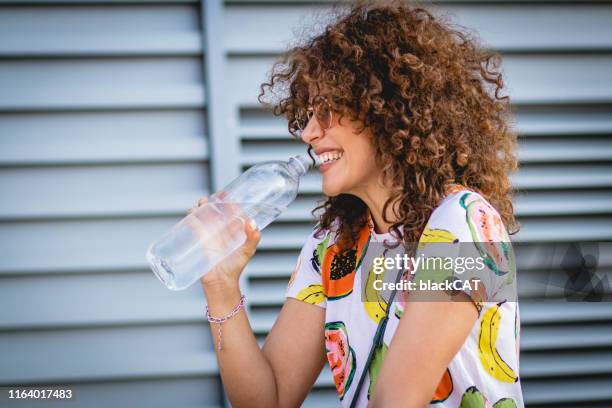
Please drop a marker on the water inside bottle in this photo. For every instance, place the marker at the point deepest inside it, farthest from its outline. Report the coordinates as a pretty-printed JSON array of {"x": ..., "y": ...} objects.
[{"x": 203, "y": 238}]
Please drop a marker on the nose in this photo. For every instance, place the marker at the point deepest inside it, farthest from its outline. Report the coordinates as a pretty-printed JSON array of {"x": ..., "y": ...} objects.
[{"x": 312, "y": 131}]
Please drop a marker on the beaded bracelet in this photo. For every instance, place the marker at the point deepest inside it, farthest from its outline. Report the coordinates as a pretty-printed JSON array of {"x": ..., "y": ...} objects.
[{"x": 225, "y": 318}]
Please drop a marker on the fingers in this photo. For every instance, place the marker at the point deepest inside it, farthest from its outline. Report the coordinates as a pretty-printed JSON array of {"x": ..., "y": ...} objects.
[
  {"x": 253, "y": 236},
  {"x": 200, "y": 203}
]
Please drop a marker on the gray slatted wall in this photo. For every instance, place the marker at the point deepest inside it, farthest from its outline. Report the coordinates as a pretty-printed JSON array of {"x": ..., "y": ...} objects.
[
  {"x": 103, "y": 147},
  {"x": 558, "y": 62},
  {"x": 103, "y": 144}
]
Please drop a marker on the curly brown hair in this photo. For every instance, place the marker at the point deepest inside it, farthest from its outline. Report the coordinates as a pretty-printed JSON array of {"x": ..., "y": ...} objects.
[{"x": 429, "y": 93}]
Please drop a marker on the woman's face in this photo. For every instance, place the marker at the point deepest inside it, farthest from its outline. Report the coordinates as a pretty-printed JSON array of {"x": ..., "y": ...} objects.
[{"x": 356, "y": 167}]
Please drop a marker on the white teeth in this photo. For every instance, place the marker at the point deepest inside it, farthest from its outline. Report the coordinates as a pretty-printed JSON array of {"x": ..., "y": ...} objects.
[{"x": 330, "y": 156}]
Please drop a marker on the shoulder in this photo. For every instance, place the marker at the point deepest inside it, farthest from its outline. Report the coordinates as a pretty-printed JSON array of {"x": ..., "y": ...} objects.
[{"x": 470, "y": 216}]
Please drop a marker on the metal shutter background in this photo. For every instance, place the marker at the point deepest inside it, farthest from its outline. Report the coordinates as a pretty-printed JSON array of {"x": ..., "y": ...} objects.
[
  {"x": 103, "y": 145},
  {"x": 558, "y": 62}
]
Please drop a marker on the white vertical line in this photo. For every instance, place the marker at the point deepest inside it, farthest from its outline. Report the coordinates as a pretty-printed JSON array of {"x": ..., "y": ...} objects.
[{"x": 222, "y": 114}]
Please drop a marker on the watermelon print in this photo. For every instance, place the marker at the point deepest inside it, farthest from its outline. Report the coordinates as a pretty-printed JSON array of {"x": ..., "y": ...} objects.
[
  {"x": 340, "y": 355},
  {"x": 489, "y": 236},
  {"x": 338, "y": 283}
]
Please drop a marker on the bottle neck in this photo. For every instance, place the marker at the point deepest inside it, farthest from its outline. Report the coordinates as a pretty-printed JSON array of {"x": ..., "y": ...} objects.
[{"x": 300, "y": 165}]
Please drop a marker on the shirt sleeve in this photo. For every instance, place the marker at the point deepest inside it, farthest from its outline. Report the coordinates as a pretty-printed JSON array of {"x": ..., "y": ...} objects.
[
  {"x": 490, "y": 246},
  {"x": 472, "y": 249},
  {"x": 305, "y": 283}
]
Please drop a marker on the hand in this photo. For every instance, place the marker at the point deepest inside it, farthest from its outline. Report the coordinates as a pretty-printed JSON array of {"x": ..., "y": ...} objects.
[{"x": 227, "y": 272}]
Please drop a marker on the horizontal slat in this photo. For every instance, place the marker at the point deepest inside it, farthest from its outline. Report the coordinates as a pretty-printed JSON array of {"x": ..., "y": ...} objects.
[
  {"x": 90, "y": 73},
  {"x": 102, "y": 137},
  {"x": 66, "y": 246},
  {"x": 272, "y": 264},
  {"x": 544, "y": 203},
  {"x": 185, "y": 392},
  {"x": 102, "y": 45},
  {"x": 59, "y": 152},
  {"x": 566, "y": 337},
  {"x": 101, "y": 182},
  {"x": 97, "y": 97},
  {"x": 93, "y": 83},
  {"x": 51, "y": 301},
  {"x": 570, "y": 120},
  {"x": 565, "y": 229},
  {"x": 504, "y": 26},
  {"x": 570, "y": 176},
  {"x": 533, "y": 313},
  {"x": 127, "y": 206},
  {"x": 578, "y": 150},
  {"x": 565, "y": 364},
  {"x": 104, "y": 354},
  {"x": 136, "y": 30},
  {"x": 577, "y": 390}
]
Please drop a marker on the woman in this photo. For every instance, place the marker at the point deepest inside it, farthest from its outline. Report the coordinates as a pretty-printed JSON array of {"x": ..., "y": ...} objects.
[{"x": 417, "y": 150}]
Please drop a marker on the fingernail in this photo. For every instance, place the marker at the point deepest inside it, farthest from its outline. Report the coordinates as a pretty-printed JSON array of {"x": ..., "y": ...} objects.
[{"x": 253, "y": 224}]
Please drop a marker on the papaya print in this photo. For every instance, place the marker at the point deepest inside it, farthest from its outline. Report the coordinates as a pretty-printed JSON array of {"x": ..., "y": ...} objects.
[
  {"x": 339, "y": 267},
  {"x": 490, "y": 358},
  {"x": 312, "y": 294},
  {"x": 484, "y": 371},
  {"x": 340, "y": 355},
  {"x": 445, "y": 388},
  {"x": 377, "y": 360},
  {"x": 473, "y": 398}
]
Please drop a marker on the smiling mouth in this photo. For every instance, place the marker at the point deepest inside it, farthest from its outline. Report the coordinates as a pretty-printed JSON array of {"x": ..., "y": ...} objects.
[{"x": 331, "y": 156}]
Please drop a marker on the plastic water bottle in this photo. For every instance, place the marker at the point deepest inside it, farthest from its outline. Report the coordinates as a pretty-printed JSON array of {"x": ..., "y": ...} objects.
[{"x": 202, "y": 239}]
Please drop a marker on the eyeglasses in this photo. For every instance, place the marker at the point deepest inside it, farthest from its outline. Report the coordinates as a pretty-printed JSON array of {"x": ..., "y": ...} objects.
[{"x": 322, "y": 111}]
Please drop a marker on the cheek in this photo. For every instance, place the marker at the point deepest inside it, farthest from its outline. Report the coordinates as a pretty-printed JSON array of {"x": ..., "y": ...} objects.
[{"x": 364, "y": 160}]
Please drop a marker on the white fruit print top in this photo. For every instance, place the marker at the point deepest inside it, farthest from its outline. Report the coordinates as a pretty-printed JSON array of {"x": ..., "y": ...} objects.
[{"x": 484, "y": 372}]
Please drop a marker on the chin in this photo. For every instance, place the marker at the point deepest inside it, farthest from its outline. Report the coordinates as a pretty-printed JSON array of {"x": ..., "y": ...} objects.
[{"x": 332, "y": 189}]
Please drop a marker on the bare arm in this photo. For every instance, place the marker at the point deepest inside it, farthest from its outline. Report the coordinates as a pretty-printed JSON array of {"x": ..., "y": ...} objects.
[
  {"x": 280, "y": 374},
  {"x": 428, "y": 336},
  {"x": 283, "y": 371}
]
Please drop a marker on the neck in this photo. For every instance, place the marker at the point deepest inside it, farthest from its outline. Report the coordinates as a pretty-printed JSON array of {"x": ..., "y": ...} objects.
[{"x": 374, "y": 195}]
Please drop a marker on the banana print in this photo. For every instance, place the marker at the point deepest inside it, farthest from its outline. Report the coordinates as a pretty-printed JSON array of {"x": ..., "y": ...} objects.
[
  {"x": 375, "y": 306},
  {"x": 487, "y": 350},
  {"x": 312, "y": 294},
  {"x": 435, "y": 236}
]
